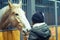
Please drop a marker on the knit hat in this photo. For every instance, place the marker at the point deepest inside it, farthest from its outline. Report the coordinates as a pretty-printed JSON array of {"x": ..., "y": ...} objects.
[{"x": 38, "y": 17}]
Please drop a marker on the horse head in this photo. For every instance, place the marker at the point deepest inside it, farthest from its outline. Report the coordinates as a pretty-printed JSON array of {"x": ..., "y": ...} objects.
[{"x": 15, "y": 16}]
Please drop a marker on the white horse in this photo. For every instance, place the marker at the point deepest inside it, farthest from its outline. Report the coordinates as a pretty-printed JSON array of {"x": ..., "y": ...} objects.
[{"x": 13, "y": 15}]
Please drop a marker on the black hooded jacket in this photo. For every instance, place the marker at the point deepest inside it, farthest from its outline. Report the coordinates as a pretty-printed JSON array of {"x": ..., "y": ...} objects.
[{"x": 41, "y": 32}]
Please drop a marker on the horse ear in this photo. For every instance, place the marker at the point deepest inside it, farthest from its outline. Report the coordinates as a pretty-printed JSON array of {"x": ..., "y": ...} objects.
[
  {"x": 10, "y": 4},
  {"x": 20, "y": 4}
]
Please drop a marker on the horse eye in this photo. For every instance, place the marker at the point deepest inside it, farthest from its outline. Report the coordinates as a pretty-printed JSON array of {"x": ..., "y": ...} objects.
[{"x": 16, "y": 14}]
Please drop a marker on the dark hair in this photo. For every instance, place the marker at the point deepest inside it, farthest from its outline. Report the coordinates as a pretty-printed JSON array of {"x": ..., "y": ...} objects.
[{"x": 38, "y": 17}]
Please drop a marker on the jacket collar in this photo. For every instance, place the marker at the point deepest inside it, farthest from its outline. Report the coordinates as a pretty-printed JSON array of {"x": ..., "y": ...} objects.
[{"x": 38, "y": 24}]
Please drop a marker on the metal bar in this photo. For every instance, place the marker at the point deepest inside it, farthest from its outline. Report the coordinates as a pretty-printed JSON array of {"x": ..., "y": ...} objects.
[
  {"x": 56, "y": 20},
  {"x": 30, "y": 9},
  {"x": 58, "y": 1},
  {"x": 44, "y": 6}
]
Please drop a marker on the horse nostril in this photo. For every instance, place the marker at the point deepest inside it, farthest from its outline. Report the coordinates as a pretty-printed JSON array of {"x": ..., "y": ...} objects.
[{"x": 16, "y": 14}]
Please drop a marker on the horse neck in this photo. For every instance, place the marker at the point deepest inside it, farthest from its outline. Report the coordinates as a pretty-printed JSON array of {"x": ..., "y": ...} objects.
[
  {"x": 2, "y": 12},
  {"x": 5, "y": 16},
  {"x": 4, "y": 21}
]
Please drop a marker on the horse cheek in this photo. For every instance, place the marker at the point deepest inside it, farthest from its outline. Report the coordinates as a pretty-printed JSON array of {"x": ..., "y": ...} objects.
[{"x": 13, "y": 21}]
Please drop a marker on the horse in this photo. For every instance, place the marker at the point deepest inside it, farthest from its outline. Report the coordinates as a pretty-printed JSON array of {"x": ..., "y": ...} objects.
[{"x": 13, "y": 15}]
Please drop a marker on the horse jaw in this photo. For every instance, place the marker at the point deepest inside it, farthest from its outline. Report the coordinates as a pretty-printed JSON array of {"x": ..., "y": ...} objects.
[
  {"x": 24, "y": 20},
  {"x": 26, "y": 23}
]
